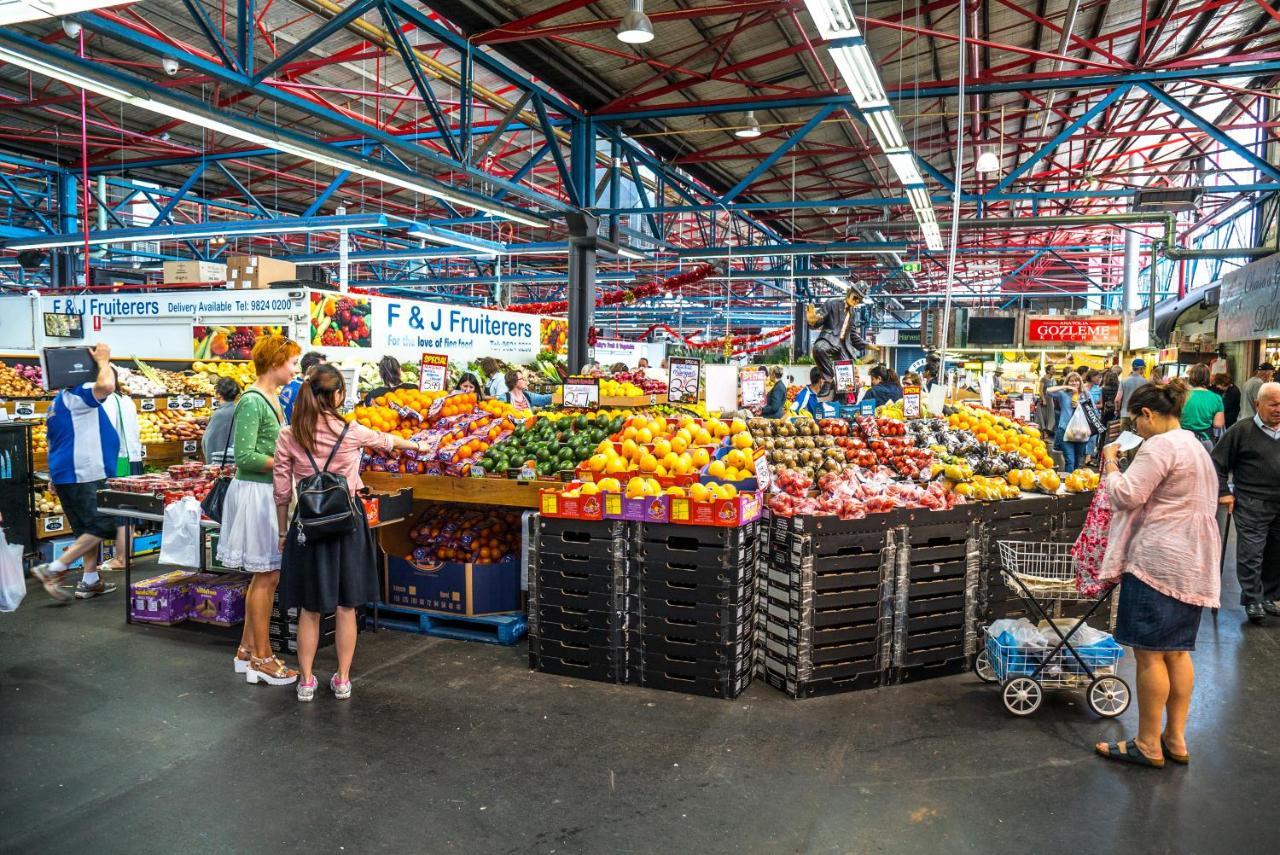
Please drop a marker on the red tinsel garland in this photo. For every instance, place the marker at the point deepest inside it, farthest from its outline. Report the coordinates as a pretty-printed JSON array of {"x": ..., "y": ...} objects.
[{"x": 640, "y": 292}]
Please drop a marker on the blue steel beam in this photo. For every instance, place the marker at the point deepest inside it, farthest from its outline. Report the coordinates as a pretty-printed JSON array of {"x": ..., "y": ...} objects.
[
  {"x": 553, "y": 143},
  {"x": 1212, "y": 130},
  {"x": 641, "y": 190},
  {"x": 1080, "y": 121},
  {"x": 314, "y": 38},
  {"x": 420, "y": 82},
  {"x": 211, "y": 34},
  {"x": 245, "y": 13},
  {"x": 318, "y": 203},
  {"x": 175, "y": 198},
  {"x": 779, "y": 152},
  {"x": 26, "y": 204}
]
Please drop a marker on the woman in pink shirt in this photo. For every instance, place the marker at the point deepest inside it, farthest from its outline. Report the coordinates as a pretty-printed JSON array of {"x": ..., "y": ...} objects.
[
  {"x": 337, "y": 573},
  {"x": 1164, "y": 540}
]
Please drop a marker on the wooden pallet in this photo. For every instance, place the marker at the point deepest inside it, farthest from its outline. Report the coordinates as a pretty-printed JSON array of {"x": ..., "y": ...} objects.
[{"x": 506, "y": 629}]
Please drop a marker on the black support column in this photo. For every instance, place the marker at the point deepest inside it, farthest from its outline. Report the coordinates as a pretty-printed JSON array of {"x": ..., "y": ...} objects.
[{"x": 582, "y": 285}]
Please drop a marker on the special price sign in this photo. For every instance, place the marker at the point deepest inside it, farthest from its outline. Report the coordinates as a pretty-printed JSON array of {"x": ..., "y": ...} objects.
[
  {"x": 911, "y": 402},
  {"x": 1093, "y": 330},
  {"x": 582, "y": 392},
  {"x": 751, "y": 387},
  {"x": 844, "y": 376},
  {"x": 685, "y": 375},
  {"x": 433, "y": 372}
]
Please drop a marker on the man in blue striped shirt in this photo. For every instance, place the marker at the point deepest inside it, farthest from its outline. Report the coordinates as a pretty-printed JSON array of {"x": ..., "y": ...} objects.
[{"x": 83, "y": 446}]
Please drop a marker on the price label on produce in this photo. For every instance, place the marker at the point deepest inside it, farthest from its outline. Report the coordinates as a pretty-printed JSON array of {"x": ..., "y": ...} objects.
[
  {"x": 185, "y": 402},
  {"x": 844, "y": 376},
  {"x": 172, "y": 402},
  {"x": 199, "y": 403},
  {"x": 582, "y": 392},
  {"x": 143, "y": 452},
  {"x": 55, "y": 523},
  {"x": 751, "y": 390},
  {"x": 148, "y": 405},
  {"x": 911, "y": 402},
  {"x": 527, "y": 473},
  {"x": 685, "y": 380},
  {"x": 433, "y": 372},
  {"x": 477, "y": 472},
  {"x": 188, "y": 446},
  {"x": 1022, "y": 408},
  {"x": 24, "y": 409}
]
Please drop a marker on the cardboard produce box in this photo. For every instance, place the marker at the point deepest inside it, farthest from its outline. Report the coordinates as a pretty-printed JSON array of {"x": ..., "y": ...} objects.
[
  {"x": 449, "y": 587},
  {"x": 183, "y": 272},
  {"x": 258, "y": 271}
]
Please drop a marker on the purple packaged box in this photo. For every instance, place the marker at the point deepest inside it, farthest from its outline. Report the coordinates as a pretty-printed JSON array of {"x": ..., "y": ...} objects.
[
  {"x": 651, "y": 509},
  {"x": 162, "y": 599},
  {"x": 219, "y": 601}
]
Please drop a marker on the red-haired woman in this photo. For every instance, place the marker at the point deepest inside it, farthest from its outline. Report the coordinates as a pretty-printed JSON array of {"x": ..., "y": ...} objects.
[{"x": 249, "y": 539}]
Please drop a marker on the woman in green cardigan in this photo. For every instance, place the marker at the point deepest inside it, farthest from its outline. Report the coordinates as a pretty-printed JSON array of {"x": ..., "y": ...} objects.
[{"x": 249, "y": 538}]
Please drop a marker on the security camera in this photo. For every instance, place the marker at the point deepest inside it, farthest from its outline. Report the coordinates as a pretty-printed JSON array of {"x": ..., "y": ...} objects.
[
  {"x": 170, "y": 66},
  {"x": 164, "y": 136},
  {"x": 71, "y": 28}
]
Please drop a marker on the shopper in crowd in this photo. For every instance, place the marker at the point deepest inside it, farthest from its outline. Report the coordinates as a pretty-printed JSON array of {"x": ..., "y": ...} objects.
[
  {"x": 83, "y": 450},
  {"x": 997, "y": 381},
  {"x": 1230, "y": 394},
  {"x": 392, "y": 378},
  {"x": 1249, "y": 394},
  {"x": 1128, "y": 386},
  {"x": 642, "y": 364},
  {"x": 218, "y": 442},
  {"x": 775, "y": 402},
  {"x": 469, "y": 384},
  {"x": 808, "y": 400},
  {"x": 497, "y": 385},
  {"x": 910, "y": 379},
  {"x": 1248, "y": 456},
  {"x": 519, "y": 395},
  {"x": 1093, "y": 387},
  {"x": 124, "y": 418},
  {"x": 1164, "y": 540},
  {"x": 1110, "y": 392},
  {"x": 1066, "y": 398},
  {"x": 928, "y": 376},
  {"x": 249, "y": 537},
  {"x": 1045, "y": 416},
  {"x": 321, "y": 576},
  {"x": 309, "y": 360},
  {"x": 884, "y": 386},
  {"x": 1203, "y": 414}
]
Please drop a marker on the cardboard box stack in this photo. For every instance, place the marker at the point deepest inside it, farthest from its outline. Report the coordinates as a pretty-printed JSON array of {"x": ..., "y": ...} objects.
[{"x": 258, "y": 271}]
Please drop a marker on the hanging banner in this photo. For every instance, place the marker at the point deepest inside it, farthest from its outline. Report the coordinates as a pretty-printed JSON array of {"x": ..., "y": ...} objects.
[
  {"x": 844, "y": 376},
  {"x": 433, "y": 372},
  {"x": 1090, "y": 330},
  {"x": 751, "y": 391},
  {"x": 685, "y": 376}
]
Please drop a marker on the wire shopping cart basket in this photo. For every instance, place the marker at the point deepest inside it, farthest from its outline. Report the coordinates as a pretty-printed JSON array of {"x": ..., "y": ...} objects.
[{"x": 1043, "y": 574}]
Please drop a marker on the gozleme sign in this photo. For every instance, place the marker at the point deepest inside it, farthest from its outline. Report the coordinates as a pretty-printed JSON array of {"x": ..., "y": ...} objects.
[{"x": 1091, "y": 330}]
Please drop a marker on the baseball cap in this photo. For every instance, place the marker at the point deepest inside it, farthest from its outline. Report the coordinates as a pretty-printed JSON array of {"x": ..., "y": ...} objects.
[
  {"x": 1266, "y": 366},
  {"x": 1139, "y": 363}
]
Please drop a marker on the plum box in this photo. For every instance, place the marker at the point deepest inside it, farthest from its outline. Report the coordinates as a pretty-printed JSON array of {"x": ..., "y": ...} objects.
[
  {"x": 162, "y": 599},
  {"x": 218, "y": 601},
  {"x": 651, "y": 509},
  {"x": 729, "y": 513}
]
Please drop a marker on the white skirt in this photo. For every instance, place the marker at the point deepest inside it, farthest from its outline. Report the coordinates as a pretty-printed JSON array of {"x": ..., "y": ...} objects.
[{"x": 250, "y": 536}]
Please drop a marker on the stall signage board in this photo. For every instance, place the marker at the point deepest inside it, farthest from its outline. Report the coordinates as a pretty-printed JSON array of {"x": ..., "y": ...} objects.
[
  {"x": 911, "y": 402},
  {"x": 1249, "y": 305},
  {"x": 1094, "y": 330},
  {"x": 909, "y": 338},
  {"x": 685, "y": 376},
  {"x": 844, "y": 376},
  {"x": 751, "y": 390},
  {"x": 433, "y": 372},
  {"x": 582, "y": 392}
]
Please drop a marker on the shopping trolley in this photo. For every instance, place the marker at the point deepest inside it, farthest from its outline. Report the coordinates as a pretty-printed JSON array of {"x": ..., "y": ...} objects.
[{"x": 1043, "y": 574}]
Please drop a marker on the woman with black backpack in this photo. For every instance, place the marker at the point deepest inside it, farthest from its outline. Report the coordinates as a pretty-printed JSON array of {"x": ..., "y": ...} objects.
[{"x": 328, "y": 561}]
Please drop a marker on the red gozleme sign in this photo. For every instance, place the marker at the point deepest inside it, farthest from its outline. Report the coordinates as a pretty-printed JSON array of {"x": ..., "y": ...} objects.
[{"x": 1102, "y": 330}]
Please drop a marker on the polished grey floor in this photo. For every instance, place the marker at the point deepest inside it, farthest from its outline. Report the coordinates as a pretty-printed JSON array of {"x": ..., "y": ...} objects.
[{"x": 136, "y": 739}]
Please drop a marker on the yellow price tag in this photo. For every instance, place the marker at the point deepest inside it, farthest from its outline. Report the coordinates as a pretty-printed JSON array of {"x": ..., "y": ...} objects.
[
  {"x": 550, "y": 503},
  {"x": 679, "y": 509},
  {"x": 613, "y": 503}
]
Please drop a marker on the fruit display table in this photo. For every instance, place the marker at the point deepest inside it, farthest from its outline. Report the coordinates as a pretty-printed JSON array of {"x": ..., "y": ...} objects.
[{"x": 472, "y": 491}]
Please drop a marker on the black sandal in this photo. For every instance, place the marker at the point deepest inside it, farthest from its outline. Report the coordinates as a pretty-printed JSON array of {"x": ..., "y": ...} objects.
[
  {"x": 1180, "y": 759},
  {"x": 1120, "y": 751}
]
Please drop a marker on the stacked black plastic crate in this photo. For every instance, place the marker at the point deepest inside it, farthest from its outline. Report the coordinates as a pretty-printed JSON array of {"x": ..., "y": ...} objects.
[
  {"x": 578, "y": 599},
  {"x": 692, "y": 616},
  {"x": 282, "y": 628},
  {"x": 824, "y": 605},
  {"x": 935, "y": 593},
  {"x": 1029, "y": 519}
]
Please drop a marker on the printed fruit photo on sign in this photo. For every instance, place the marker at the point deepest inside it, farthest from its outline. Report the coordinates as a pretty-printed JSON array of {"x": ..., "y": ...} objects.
[
  {"x": 226, "y": 342},
  {"x": 554, "y": 335},
  {"x": 340, "y": 321}
]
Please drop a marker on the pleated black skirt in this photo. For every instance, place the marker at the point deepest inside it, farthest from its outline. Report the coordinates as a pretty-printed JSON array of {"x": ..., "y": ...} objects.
[{"x": 321, "y": 575}]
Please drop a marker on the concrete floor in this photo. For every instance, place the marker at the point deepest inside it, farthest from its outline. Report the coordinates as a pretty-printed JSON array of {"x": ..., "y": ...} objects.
[{"x": 140, "y": 739}]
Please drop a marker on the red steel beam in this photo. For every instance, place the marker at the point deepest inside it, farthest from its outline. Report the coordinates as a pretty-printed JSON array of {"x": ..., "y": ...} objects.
[{"x": 504, "y": 34}]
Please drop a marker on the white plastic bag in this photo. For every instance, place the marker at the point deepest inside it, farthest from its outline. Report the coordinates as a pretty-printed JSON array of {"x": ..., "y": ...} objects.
[
  {"x": 1078, "y": 428},
  {"x": 13, "y": 584},
  {"x": 180, "y": 536}
]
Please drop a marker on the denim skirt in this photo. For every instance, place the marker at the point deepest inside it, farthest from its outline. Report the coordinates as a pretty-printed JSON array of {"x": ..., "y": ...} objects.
[{"x": 1150, "y": 620}]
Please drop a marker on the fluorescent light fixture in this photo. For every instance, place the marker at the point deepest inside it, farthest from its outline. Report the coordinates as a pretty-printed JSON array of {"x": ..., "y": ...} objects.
[
  {"x": 903, "y": 162},
  {"x": 833, "y": 17},
  {"x": 628, "y": 252},
  {"x": 918, "y": 197},
  {"x": 859, "y": 72},
  {"x": 635, "y": 27},
  {"x": 751, "y": 129},
  {"x": 932, "y": 236},
  {"x": 157, "y": 102},
  {"x": 452, "y": 238},
  {"x": 884, "y": 127},
  {"x": 196, "y": 231},
  {"x": 988, "y": 161},
  {"x": 18, "y": 11},
  {"x": 780, "y": 250},
  {"x": 838, "y": 282}
]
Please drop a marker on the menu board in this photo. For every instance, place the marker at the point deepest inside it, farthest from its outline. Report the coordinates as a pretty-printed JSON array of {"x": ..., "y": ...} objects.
[
  {"x": 685, "y": 375},
  {"x": 844, "y": 376},
  {"x": 582, "y": 392},
  {"x": 751, "y": 391},
  {"x": 433, "y": 372}
]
